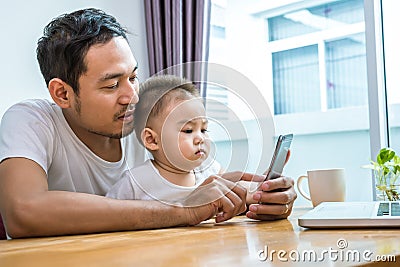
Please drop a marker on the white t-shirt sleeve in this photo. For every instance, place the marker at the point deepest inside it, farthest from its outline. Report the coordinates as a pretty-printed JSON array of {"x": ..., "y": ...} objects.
[{"x": 26, "y": 133}]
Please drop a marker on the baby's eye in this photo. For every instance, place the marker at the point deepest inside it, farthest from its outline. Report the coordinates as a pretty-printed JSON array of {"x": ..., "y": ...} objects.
[
  {"x": 188, "y": 131},
  {"x": 204, "y": 130}
]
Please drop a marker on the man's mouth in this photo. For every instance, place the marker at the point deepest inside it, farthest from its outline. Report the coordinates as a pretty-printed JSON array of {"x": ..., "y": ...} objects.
[{"x": 127, "y": 116}]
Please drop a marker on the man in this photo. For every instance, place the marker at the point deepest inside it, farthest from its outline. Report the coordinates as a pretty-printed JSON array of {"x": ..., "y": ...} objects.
[{"x": 59, "y": 159}]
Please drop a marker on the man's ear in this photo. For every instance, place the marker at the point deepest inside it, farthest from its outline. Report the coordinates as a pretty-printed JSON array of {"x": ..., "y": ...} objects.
[
  {"x": 60, "y": 92},
  {"x": 150, "y": 139}
]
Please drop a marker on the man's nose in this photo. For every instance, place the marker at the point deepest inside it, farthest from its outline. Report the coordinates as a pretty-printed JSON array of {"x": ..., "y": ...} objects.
[{"x": 129, "y": 94}]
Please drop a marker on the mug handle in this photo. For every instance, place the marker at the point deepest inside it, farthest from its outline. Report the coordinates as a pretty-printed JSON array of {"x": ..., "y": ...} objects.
[{"x": 300, "y": 189}]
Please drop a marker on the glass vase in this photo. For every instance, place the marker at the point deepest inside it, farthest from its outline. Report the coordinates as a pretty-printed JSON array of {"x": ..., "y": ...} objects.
[{"x": 387, "y": 192}]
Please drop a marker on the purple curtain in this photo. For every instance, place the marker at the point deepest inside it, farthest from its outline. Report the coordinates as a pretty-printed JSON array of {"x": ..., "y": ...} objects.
[{"x": 176, "y": 33}]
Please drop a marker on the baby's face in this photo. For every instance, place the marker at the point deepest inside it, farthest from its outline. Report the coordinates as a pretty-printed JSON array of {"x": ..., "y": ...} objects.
[{"x": 184, "y": 136}]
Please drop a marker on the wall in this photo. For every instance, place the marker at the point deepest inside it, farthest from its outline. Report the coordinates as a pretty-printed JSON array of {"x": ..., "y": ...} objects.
[{"x": 22, "y": 23}]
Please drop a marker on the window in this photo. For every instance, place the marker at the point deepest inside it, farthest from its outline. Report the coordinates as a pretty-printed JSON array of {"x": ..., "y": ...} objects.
[
  {"x": 296, "y": 80},
  {"x": 318, "y": 58},
  {"x": 392, "y": 69},
  {"x": 308, "y": 60},
  {"x": 346, "y": 72}
]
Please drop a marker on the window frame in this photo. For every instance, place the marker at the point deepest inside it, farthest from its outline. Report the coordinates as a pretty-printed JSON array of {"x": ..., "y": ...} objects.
[{"x": 377, "y": 97}]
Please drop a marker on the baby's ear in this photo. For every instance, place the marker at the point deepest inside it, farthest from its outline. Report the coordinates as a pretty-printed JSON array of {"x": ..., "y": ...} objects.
[{"x": 150, "y": 139}]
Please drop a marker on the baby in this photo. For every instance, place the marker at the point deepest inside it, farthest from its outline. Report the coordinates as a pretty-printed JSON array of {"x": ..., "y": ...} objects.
[{"x": 170, "y": 122}]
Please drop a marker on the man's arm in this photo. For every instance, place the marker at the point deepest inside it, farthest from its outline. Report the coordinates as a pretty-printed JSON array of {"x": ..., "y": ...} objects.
[{"x": 30, "y": 209}]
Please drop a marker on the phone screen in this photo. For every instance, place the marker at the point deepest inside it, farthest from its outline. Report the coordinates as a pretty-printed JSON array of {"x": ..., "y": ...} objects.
[{"x": 279, "y": 157}]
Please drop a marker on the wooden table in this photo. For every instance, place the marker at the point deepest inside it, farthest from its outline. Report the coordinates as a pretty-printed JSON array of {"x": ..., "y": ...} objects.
[{"x": 239, "y": 242}]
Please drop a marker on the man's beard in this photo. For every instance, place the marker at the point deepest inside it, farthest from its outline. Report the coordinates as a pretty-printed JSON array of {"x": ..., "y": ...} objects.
[{"x": 126, "y": 130}]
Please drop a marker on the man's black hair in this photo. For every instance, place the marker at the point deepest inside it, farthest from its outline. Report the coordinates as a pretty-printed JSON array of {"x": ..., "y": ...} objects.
[{"x": 62, "y": 49}]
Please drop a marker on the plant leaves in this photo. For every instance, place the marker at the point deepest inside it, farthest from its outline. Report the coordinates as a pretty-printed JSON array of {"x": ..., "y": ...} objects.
[{"x": 385, "y": 155}]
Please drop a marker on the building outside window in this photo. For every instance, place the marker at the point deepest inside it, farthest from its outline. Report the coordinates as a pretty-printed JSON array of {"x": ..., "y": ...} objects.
[
  {"x": 318, "y": 58},
  {"x": 308, "y": 59}
]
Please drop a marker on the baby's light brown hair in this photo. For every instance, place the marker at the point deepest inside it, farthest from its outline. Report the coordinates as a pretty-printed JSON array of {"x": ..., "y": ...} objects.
[{"x": 156, "y": 93}]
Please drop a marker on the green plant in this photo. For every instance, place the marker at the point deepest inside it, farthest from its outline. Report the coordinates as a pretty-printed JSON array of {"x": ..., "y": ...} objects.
[{"x": 386, "y": 172}]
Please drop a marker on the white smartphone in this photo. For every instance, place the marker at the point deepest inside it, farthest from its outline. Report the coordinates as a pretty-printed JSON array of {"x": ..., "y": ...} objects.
[{"x": 279, "y": 157}]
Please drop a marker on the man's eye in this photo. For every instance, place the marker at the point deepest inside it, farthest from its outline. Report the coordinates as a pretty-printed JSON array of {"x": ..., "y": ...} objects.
[
  {"x": 113, "y": 86},
  {"x": 134, "y": 79}
]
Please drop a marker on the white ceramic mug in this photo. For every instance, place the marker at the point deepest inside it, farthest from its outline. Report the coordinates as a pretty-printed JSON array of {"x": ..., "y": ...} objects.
[{"x": 327, "y": 185}]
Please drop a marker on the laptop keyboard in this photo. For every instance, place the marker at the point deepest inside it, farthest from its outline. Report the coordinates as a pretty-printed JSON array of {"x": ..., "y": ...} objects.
[
  {"x": 395, "y": 209},
  {"x": 389, "y": 209}
]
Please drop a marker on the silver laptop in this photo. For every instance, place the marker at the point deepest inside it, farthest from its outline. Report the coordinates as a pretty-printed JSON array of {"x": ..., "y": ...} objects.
[{"x": 378, "y": 214}]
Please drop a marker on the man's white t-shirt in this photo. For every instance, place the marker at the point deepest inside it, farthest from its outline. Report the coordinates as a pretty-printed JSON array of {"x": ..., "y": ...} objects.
[{"x": 37, "y": 130}]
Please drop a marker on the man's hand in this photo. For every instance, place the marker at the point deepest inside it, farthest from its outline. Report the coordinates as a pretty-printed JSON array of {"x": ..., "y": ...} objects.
[
  {"x": 274, "y": 200},
  {"x": 218, "y": 197}
]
